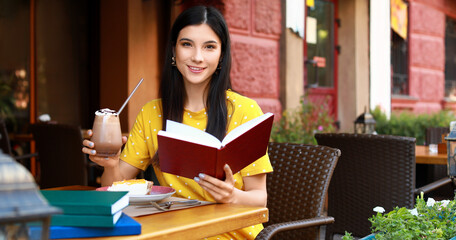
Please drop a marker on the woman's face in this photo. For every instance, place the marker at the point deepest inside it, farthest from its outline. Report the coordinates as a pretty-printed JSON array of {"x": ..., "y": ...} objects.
[{"x": 197, "y": 52}]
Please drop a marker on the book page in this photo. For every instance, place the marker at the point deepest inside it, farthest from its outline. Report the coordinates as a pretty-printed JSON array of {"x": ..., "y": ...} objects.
[
  {"x": 190, "y": 134},
  {"x": 244, "y": 128}
]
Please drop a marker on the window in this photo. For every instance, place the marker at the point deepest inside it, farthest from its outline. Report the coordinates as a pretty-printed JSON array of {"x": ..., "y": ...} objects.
[
  {"x": 323, "y": 47},
  {"x": 450, "y": 59},
  {"x": 14, "y": 64},
  {"x": 399, "y": 62},
  {"x": 67, "y": 60}
]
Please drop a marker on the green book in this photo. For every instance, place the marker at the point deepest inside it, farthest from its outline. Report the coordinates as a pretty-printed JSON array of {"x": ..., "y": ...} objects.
[
  {"x": 87, "y": 202},
  {"x": 85, "y": 220}
]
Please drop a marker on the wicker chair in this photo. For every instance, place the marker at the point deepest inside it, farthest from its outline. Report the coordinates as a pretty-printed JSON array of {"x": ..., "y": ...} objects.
[
  {"x": 434, "y": 134},
  {"x": 374, "y": 170},
  {"x": 61, "y": 160},
  {"x": 436, "y": 172},
  {"x": 297, "y": 189},
  {"x": 5, "y": 146}
]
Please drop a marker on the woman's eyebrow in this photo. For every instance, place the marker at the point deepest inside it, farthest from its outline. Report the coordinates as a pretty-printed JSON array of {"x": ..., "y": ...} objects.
[
  {"x": 185, "y": 39},
  {"x": 189, "y": 40},
  {"x": 211, "y": 41}
]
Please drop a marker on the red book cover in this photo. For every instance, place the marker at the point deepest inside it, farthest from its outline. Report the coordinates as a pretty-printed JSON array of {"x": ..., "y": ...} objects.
[{"x": 186, "y": 151}]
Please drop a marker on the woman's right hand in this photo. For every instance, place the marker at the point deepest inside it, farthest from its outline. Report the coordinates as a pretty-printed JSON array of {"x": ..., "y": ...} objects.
[{"x": 107, "y": 162}]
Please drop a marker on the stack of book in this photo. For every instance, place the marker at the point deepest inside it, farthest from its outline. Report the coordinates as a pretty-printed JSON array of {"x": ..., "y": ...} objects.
[{"x": 88, "y": 214}]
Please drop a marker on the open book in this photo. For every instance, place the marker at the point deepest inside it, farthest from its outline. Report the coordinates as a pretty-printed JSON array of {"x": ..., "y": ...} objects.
[{"x": 187, "y": 151}]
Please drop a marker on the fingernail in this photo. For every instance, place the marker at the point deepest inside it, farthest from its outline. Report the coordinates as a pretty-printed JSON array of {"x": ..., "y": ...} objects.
[
  {"x": 91, "y": 144},
  {"x": 106, "y": 158},
  {"x": 196, "y": 179},
  {"x": 89, "y": 132},
  {"x": 201, "y": 175},
  {"x": 226, "y": 166},
  {"x": 93, "y": 151}
]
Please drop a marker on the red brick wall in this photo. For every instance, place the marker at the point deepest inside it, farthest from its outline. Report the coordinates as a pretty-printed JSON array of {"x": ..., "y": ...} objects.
[
  {"x": 255, "y": 28},
  {"x": 446, "y": 6},
  {"x": 426, "y": 56}
]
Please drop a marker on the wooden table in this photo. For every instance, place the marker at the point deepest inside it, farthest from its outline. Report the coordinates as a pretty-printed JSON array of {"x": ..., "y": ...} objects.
[
  {"x": 198, "y": 222},
  {"x": 423, "y": 156},
  {"x": 194, "y": 223}
]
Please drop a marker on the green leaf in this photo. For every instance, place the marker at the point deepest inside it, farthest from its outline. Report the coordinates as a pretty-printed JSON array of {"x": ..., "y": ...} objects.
[{"x": 300, "y": 125}]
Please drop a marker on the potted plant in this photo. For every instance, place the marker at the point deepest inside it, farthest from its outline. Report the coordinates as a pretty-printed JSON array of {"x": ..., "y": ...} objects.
[
  {"x": 428, "y": 220},
  {"x": 300, "y": 124}
]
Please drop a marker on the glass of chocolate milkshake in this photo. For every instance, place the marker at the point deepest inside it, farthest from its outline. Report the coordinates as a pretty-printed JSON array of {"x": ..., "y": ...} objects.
[{"x": 107, "y": 136}]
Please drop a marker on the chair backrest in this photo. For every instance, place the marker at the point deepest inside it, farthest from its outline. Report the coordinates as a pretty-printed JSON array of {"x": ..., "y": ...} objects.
[
  {"x": 297, "y": 188},
  {"x": 61, "y": 160},
  {"x": 432, "y": 173},
  {"x": 5, "y": 144},
  {"x": 434, "y": 134},
  {"x": 373, "y": 170}
]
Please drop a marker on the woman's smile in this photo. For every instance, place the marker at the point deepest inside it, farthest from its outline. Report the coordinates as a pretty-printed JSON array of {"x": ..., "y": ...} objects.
[{"x": 196, "y": 69}]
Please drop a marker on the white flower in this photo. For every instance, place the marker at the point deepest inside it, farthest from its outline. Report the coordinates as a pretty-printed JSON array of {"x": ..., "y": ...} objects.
[
  {"x": 414, "y": 212},
  {"x": 379, "y": 209},
  {"x": 430, "y": 202},
  {"x": 444, "y": 203}
]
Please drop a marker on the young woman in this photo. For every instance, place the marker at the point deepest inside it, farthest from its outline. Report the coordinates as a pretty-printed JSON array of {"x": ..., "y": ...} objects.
[{"x": 194, "y": 90}]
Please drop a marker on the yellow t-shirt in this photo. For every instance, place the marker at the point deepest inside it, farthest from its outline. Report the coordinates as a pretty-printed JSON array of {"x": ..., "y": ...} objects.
[{"x": 142, "y": 145}]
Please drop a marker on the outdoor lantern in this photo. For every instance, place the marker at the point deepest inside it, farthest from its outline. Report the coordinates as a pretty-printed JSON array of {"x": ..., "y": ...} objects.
[
  {"x": 21, "y": 202},
  {"x": 365, "y": 123},
  {"x": 451, "y": 150}
]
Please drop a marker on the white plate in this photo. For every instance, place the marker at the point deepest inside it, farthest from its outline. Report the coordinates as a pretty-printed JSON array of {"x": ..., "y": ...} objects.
[{"x": 157, "y": 193}]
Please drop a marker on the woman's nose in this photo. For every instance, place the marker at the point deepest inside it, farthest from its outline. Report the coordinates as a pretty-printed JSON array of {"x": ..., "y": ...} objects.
[{"x": 197, "y": 56}]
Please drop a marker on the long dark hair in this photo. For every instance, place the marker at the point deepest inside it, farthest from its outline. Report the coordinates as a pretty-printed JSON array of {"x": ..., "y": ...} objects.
[{"x": 172, "y": 90}]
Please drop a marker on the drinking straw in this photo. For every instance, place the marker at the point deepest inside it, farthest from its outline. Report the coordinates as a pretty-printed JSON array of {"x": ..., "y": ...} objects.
[{"x": 131, "y": 94}]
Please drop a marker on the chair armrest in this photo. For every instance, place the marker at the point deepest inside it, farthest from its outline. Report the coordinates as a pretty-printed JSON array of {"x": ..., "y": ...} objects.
[
  {"x": 432, "y": 186},
  {"x": 271, "y": 230},
  {"x": 26, "y": 156}
]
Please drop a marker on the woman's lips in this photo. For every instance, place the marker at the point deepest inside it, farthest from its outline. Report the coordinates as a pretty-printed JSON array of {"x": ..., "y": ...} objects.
[{"x": 195, "y": 69}]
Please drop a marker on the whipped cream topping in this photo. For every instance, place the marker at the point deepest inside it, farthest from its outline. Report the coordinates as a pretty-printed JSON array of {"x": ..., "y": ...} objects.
[{"x": 105, "y": 111}]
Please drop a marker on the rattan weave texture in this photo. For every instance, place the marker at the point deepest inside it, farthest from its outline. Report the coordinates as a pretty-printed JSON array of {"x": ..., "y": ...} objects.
[
  {"x": 297, "y": 189},
  {"x": 436, "y": 172},
  {"x": 374, "y": 170},
  {"x": 434, "y": 134}
]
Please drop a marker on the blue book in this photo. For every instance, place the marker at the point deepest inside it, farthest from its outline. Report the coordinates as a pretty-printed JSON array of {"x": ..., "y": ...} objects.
[{"x": 125, "y": 226}]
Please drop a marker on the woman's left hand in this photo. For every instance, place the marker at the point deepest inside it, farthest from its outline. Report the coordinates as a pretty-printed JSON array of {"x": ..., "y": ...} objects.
[{"x": 222, "y": 191}]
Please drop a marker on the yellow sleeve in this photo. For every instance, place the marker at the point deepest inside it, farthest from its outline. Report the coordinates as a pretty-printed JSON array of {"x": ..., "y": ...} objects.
[
  {"x": 244, "y": 110},
  {"x": 142, "y": 140}
]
